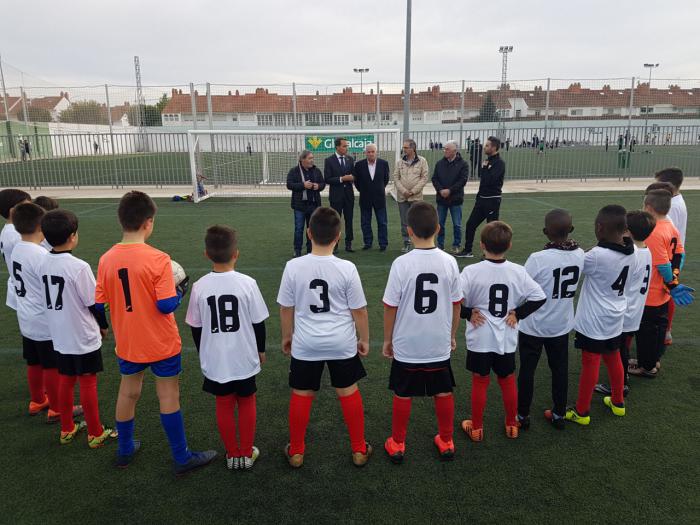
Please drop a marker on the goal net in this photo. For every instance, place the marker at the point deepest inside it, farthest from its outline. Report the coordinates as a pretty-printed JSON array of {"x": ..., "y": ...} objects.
[{"x": 242, "y": 163}]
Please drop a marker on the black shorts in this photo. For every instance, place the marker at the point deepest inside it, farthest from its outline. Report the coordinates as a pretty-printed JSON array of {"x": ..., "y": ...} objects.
[
  {"x": 421, "y": 379},
  {"x": 241, "y": 387},
  {"x": 306, "y": 375},
  {"x": 597, "y": 346},
  {"x": 39, "y": 353},
  {"x": 483, "y": 362},
  {"x": 78, "y": 365}
]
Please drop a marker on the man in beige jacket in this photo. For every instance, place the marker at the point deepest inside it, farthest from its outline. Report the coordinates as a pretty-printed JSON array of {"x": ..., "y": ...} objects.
[{"x": 410, "y": 175}]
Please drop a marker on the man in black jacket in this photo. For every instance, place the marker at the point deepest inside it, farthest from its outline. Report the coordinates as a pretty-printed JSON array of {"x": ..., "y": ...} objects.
[
  {"x": 337, "y": 172},
  {"x": 449, "y": 178},
  {"x": 305, "y": 181},
  {"x": 488, "y": 199},
  {"x": 371, "y": 177}
]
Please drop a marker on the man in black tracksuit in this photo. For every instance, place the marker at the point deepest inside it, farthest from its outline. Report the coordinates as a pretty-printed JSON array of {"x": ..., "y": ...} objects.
[{"x": 488, "y": 199}]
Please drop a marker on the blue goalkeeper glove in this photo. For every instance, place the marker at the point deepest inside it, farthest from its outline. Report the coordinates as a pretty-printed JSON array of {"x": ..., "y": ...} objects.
[{"x": 682, "y": 295}]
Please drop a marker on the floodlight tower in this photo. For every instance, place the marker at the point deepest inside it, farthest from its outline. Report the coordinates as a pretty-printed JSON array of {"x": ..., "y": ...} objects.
[
  {"x": 646, "y": 110},
  {"x": 504, "y": 50},
  {"x": 141, "y": 103},
  {"x": 361, "y": 71}
]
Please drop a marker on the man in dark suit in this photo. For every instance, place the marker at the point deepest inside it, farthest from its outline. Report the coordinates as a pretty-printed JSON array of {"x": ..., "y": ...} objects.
[
  {"x": 371, "y": 177},
  {"x": 337, "y": 172}
]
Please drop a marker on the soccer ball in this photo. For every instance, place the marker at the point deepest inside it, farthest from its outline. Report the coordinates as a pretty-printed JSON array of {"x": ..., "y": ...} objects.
[{"x": 178, "y": 272}]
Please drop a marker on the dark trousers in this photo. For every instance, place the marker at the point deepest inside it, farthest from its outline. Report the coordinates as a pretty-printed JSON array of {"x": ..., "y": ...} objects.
[
  {"x": 625, "y": 347},
  {"x": 651, "y": 335},
  {"x": 366, "y": 224},
  {"x": 301, "y": 222},
  {"x": 530, "y": 349},
  {"x": 345, "y": 209},
  {"x": 484, "y": 209}
]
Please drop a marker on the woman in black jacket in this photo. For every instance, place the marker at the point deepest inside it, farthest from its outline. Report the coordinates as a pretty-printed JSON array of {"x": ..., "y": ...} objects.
[{"x": 305, "y": 181}]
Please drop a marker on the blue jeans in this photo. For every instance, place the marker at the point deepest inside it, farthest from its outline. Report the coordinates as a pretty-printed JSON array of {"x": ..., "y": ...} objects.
[
  {"x": 456, "y": 214},
  {"x": 301, "y": 219},
  {"x": 366, "y": 224}
]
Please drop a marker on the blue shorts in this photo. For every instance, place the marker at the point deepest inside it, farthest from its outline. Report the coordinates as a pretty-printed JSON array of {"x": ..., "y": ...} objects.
[{"x": 169, "y": 367}]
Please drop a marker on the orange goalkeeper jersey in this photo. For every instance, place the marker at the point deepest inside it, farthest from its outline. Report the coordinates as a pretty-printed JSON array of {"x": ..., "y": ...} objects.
[{"x": 663, "y": 243}]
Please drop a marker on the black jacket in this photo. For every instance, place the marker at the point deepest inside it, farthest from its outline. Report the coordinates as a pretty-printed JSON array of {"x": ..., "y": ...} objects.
[
  {"x": 452, "y": 176},
  {"x": 372, "y": 192},
  {"x": 492, "y": 176},
  {"x": 295, "y": 183},
  {"x": 339, "y": 191}
]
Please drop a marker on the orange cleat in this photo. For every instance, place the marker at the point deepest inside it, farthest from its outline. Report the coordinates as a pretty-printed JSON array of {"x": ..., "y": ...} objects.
[
  {"x": 55, "y": 417},
  {"x": 446, "y": 449},
  {"x": 35, "y": 408},
  {"x": 512, "y": 431},
  {"x": 395, "y": 450},
  {"x": 475, "y": 434}
]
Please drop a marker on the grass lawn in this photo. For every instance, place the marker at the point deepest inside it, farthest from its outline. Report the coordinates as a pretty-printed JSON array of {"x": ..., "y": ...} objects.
[{"x": 643, "y": 467}]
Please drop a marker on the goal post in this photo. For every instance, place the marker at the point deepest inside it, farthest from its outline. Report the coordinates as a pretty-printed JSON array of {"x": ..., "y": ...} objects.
[{"x": 247, "y": 163}]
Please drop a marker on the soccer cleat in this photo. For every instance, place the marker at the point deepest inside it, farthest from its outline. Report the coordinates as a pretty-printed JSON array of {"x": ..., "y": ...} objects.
[
  {"x": 523, "y": 422},
  {"x": 246, "y": 463},
  {"x": 233, "y": 463},
  {"x": 198, "y": 460},
  {"x": 572, "y": 415},
  {"x": 296, "y": 460},
  {"x": 464, "y": 254},
  {"x": 475, "y": 434},
  {"x": 604, "y": 389},
  {"x": 617, "y": 410},
  {"x": 512, "y": 431},
  {"x": 639, "y": 371},
  {"x": 98, "y": 441},
  {"x": 446, "y": 449},
  {"x": 556, "y": 421},
  {"x": 395, "y": 450},
  {"x": 35, "y": 408},
  {"x": 55, "y": 417},
  {"x": 124, "y": 461},
  {"x": 359, "y": 459},
  {"x": 668, "y": 339},
  {"x": 67, "y": 437}
]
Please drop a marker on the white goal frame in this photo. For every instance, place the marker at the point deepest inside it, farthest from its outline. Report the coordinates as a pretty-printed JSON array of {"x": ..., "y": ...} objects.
[{"x": 265, "y": 187}]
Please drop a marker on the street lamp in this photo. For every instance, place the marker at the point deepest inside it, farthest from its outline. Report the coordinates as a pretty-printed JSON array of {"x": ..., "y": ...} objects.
[
  {"x": 504, "y": 50},
  {"x": 361, "y": 71},
  {"x": 646, "y": 113}
]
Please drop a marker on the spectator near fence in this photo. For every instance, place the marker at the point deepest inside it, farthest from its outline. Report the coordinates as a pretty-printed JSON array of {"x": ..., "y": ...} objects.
[
  {"x": 305, "y": 181},
  {"x": 410, "y": 176},
  {"x": 371, "y": 178},
  {"x": 449, "y": 178}
]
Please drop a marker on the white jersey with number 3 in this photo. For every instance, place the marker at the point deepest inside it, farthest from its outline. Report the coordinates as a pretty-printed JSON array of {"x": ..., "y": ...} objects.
[
  {"x": 423, "y": 285},
  {"x": 8, "y": 239},
  {"x": 637, "y": 289},
  {"x": 323, "y": 290},
  {"x": 27, "y": 263},
  {"x": 496, "y": 288},
  {"x": 225, "y": 306}
]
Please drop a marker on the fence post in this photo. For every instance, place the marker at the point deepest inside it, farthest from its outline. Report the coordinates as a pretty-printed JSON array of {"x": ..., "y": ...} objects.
[
  {"x": 210, "y": 111},
  {"x": 111, "y": 137},
  {"x": 461, "y": 116},
  {"x": 629, "y": 111},
  {"x": 193, "y": 100},
  {"x": 378, "y": 108},
  {"x": 546, "y": 109},
  {"x": 294, "y": 105},
  {"x": 8, "y": 126},
  {"x": 26, "y": 131}
]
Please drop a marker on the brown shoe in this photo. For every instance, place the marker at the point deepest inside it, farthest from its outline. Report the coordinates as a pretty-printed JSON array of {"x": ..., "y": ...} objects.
[
  {"x": 295, "y": 461},
  {"x": 359, "y": 459}
]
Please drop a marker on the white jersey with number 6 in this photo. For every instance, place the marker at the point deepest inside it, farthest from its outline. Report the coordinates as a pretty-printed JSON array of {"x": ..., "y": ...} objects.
[
  {"x": 496, "y": 288},
  {"x": 323, "y": 290},
  {"x": 423, "y": 285},
  {"x": 601, "y": 308},
  {"x": 637, "y": 289},
  {"x": 8, "y": 239},
  {"x": 27, "y": 262},
  {"x": 226, "y": 305},
  {"x": 558, "y": 273}
]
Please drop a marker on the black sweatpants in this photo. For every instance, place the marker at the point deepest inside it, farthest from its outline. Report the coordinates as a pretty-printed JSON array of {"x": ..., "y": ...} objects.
[
  {"x": 484, "y": 209},
  {"x": 651, "y": 335},
  {"x": 345, "y": 209},
  {"x": 530, "y": 349}
]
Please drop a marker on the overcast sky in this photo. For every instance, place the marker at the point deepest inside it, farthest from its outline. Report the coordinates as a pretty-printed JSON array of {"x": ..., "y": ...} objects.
[{"x": 78, "y": 42}]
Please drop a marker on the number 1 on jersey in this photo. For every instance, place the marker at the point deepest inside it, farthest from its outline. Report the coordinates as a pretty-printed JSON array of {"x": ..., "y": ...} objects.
[{"x": 123, "y": 274}]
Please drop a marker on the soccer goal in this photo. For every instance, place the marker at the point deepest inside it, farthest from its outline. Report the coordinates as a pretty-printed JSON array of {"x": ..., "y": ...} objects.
[{"x": 241, "y": 163}]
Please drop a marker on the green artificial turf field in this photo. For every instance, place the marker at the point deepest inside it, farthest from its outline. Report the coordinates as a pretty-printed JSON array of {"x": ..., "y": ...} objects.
[{"x": 640, "y": 468}]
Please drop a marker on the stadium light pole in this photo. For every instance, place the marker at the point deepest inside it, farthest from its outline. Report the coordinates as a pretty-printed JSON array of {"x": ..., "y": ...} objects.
[
  {"x": 361, "y": 71},
  {"x": 407, "y": 73},
  {"x": 504, "y": 50},
  {"x": 646, "y": 112}
]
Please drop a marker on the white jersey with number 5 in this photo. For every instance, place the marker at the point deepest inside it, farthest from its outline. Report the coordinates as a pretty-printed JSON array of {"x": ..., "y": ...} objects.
[
  {"x": 27, "y": 262},
  {"x": 637, "y": 289},
  {"x": 323, "y": 290},
  {"x": 226, "y": 305},
  {"x": 8, "y": 239},
  {"x": 423, "y": 285},
  {"x": 558, "y": 273},
  {"x": 601, "y": 308},
  {"x": 495, "y": 288}
]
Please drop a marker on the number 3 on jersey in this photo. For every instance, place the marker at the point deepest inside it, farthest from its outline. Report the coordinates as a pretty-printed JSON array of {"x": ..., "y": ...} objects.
[{"x": 323, "y": 296}]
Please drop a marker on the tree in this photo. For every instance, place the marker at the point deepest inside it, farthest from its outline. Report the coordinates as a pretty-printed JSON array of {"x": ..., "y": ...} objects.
[
  {"x": 151, "y": 115},
  {"x": 35, "y": 114},
  {"x": 488, "y": 110},
  {"x": 160, "y": 106},
  {"x": 85, "y": 112}
]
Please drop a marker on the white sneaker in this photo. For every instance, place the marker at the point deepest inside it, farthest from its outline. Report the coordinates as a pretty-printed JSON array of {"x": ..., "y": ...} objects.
[
  {"x": 247, "y": 462},
  {"x": 233, "y": 463}
]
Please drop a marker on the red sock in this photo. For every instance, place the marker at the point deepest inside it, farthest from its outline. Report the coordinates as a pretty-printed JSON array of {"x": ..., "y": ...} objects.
[
  {"x": 226, "y": 422},
  {"x": 399, "y": 418},
  {"x": 91, "y": 407},
  {"x": 445, "y": 412},
  {"x": 616, "y": 375},
  {"x": 354, "y": 415},
  {"x": 246, "y": 424},
  {"x": 299, "y": 414},
  {"x": 35, "y": 378},
  {"x": 510, "y": 398},
  {"x": 66, "y": 388},
  {"x": 590, "y": 366},
  {"x": 671, "y": 313},
  {"x": 480, "y": 385},
  {"x": 50, "y": 377}
]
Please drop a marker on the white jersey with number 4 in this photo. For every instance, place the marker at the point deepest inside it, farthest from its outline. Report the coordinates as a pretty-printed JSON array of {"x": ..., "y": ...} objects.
[
  {"x": 496, "y": 288},
  {"x": 323, "y": 290},
  {"x": 27, "y": 264},
  {"x": 679, "y": 215},
  {"x": 226, "y": 305},
  {"x": 601, "y": 308},
  {"x": 69, "y": 290},
  {"x": 423, "y": 285},
  {"x": 558, "y": 273},
  {"x": 637, "y": 289},
  {"x": 8, "y": 238}
]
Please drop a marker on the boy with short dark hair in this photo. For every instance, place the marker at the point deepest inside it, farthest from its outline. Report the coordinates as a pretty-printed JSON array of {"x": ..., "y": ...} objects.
[
  {"x": 136, "y": 280},
  {"x": 323, "y": 310},
  {"x": 497, "y": 295},
  {"x": 48, "y": 204},
  {"x": 9, "y": 198},
  {"x": 227, "y": 315},
  {"x": 557, "y": 270},
  {"x": 75, "y": 325},
  {"x": 421, "y": 318}
]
